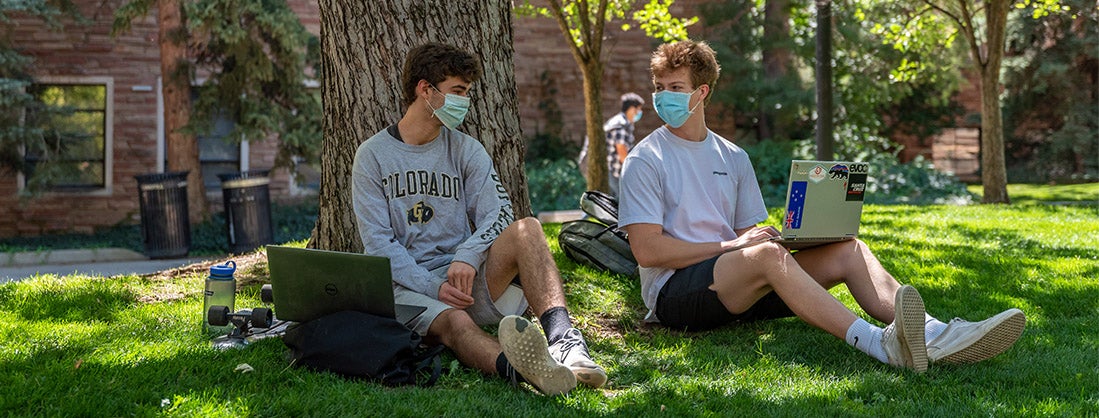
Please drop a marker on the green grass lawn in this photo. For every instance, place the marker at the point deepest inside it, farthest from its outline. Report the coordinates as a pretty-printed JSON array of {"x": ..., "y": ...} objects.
[
  {"x": 76, "y": 346},
  {"x": 1084, "y": 193}
]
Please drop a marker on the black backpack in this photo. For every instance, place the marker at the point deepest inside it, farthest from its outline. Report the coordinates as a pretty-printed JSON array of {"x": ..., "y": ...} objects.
[
  {"x": 362, "y": 345},
  {"x": 596, "y": 241}
]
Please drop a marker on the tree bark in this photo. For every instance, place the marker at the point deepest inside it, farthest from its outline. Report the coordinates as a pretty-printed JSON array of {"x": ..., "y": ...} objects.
[
  {"x": 825, "y": 141},
  {"x": 363, "y": 47},
  {"x": 776, "y": 64},
  {"x": 182, "y": 148},
  {"x": 593, "y": 116},
  {"x": 993, "y": 165}
]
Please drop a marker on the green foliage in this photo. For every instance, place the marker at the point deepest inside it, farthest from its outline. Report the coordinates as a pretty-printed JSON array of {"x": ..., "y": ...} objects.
[
  {"x": 16, "y": 136},
  {"x": 916, "y": 182},
  {"x": 771, "y": 161},
  {"x": 259, "y": 58},
  {"x": 1050, "y": 99},
  {"x": 133, "y": 346},
  {"x": 257, "y": 52},
  {"x": 554, "y": 184},
  {"x": 890, "y": 182},
  {"x": 580, "y": 15},
  {"x": 657, "y": 21},
  {"x": 864, "y": 85}
]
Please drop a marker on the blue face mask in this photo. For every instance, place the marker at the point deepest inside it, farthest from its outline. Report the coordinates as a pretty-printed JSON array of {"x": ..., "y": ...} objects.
[
  {"x": 637, "y": 116},
  {"x": 453, "y": 111},
  {"x": 673, "y": 107}
]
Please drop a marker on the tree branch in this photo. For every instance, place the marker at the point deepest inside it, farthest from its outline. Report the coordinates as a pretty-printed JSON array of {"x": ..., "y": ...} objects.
[
  {"x": 971, "y": 34},
  {"x": 559, "y": 16}
]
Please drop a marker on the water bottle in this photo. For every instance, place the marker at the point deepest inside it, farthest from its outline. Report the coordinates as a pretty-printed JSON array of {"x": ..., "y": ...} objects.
[{"x": 221, "y": 289}]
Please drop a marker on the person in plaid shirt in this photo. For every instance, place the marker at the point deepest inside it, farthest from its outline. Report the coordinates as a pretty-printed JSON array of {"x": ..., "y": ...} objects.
[{"x": 619, "y": 129}]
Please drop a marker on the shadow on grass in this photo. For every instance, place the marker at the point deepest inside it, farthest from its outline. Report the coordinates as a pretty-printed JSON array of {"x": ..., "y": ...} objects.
[{"x": 54, "y": 299}]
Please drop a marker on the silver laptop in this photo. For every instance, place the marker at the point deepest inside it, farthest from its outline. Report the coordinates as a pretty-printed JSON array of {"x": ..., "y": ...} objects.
[
  {"x": 307, "y": 284},
  {"x": 823, "y": 202}
]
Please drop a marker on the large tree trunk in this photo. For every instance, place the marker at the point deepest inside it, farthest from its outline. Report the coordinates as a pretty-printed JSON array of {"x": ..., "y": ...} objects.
[
  {"x": 993, "y": 166},
  {"x": 182, "y": 147},
  {"x": 593, "y": 115},
  {"x": 776, "y": 63},
  {"x": 363, "y": 46},
  {"x": 825, "y": 140}
]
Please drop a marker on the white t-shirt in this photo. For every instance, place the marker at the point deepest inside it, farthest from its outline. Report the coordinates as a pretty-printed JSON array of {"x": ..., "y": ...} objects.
[{"x": 697, "y": 191}]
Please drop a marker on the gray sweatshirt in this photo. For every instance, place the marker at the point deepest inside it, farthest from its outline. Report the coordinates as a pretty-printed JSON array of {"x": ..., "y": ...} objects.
[{"x": 424, "y": 206}]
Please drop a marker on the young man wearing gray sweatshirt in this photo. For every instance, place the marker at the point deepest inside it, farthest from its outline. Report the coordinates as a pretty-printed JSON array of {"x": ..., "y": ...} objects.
[{"x": 427, "y": 197}]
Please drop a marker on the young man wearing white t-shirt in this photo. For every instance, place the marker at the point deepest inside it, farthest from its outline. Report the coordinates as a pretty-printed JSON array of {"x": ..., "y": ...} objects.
[{"x": 692, "y": 207}]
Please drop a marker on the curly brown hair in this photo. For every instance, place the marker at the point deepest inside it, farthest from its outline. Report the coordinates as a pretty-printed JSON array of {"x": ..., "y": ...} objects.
[
  {"x": 435, "y": 62},
  {"x": 696, "y": 56}
]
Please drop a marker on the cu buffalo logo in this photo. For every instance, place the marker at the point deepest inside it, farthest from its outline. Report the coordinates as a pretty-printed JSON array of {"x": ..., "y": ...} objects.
[
  {"x": 838, "y": 171},
  {"x": 420, "y": 214}
]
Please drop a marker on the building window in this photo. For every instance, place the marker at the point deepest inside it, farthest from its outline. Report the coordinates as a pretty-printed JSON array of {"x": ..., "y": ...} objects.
[
  {"x": 76, "y": 136},
  {"x": 220, "y": 154}
]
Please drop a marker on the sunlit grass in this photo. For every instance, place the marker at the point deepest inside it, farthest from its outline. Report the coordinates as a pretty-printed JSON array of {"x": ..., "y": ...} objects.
[
  {"x": 1029, "y": 193},
  {"x": 74, "y": 346}
]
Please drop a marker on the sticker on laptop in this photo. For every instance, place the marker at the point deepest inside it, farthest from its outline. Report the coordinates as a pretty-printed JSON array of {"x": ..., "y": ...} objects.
[
  {"x": 838, "y": 172},
  {"x": 796, "y": 206},
  {"x": 856, "y": 187},
  {"x": 817, "y": 174}
]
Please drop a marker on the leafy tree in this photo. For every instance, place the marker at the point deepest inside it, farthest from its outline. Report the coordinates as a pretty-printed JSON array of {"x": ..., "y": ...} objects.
[
  {"x": 873, "y": 99},
  {"x": 176, "y": 72},
  {"x": 17, "y": 137},
  {"x": 1051, "y": 83},
  {"x": 582, "y": 23},
  {"x": 982, "y": 25},
  {"x": 257, "y": 57}
]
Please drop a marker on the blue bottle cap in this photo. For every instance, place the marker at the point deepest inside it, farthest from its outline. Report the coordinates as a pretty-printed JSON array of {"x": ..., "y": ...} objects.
[{"x": 226, "y": 269}]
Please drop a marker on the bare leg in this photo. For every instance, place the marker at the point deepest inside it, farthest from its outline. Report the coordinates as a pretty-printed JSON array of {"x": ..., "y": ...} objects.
[
  {"x": 852, "y": 263},
  {"x": 521, "y": 249},
  {"x": 473, "y": 347},
  {"x": 743, "y": 277}
]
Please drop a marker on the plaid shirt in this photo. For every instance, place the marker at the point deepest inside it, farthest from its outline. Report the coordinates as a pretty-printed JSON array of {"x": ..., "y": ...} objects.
[{"x": 619, "y": 132}]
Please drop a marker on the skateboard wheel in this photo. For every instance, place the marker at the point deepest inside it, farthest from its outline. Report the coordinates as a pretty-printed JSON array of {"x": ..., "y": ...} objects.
[
  {"x": 261, "y": 318},
  {"x": 265, "y": 294},
  {"x": 218, "y": 315}
]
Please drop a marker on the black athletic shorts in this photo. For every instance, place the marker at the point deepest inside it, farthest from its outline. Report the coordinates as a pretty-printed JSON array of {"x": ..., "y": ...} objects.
[{"x": 686, "y": 302}]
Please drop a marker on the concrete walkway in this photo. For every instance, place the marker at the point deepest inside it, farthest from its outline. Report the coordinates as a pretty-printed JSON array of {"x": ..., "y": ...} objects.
[{"x": 107, "y": 262}]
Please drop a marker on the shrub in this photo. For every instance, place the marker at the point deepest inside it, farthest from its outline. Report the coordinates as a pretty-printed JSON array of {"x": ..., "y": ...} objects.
[
  {"x": 554, "y": 184},
  {"x": 890, "y": 182}
]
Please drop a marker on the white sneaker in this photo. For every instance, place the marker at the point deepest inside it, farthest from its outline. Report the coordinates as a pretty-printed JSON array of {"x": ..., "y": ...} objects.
[
  {"x": 969, "y": 342},
  {"x": 572, "y": 351},
  {"x": 903, "y": 340},
  {"x": 526, "y": 349}
]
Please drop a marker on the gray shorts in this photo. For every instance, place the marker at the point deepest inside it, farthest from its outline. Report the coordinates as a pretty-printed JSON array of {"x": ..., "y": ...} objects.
[{"x": 484, "y": 310}]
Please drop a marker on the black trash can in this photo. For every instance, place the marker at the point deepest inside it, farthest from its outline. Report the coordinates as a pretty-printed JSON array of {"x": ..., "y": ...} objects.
[
  {"x": 247, "y": 201},
  {"x": 165, "y": 223}
]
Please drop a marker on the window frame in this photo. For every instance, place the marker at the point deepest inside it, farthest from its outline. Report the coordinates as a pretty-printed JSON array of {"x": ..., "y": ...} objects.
[{"x": 108, "y": 136}]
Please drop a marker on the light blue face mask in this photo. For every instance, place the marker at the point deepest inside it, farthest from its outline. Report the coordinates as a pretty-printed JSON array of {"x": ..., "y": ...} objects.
[
  {"x": 637, "y": 116},
  {"x": 453, "y": 111},
  {"x": 673, "y": 107}
]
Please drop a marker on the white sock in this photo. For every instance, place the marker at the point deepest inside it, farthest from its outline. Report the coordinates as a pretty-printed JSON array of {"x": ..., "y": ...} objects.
[
  {"x": 866, "y": 338},
  {"x": 932, "y": 327}
]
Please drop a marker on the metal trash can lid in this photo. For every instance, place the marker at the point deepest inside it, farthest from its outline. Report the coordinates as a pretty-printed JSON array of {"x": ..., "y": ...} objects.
[
  {"x": 161, "y": 181},
  {"x": 244, "y": 179}
]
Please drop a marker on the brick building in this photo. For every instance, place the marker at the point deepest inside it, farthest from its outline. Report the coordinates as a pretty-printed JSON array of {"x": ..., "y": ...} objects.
[{"x": 120, "y": 79}]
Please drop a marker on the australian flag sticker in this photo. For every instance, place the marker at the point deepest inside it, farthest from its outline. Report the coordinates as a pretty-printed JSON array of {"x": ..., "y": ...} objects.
[{"x": 796, "y": 205}]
